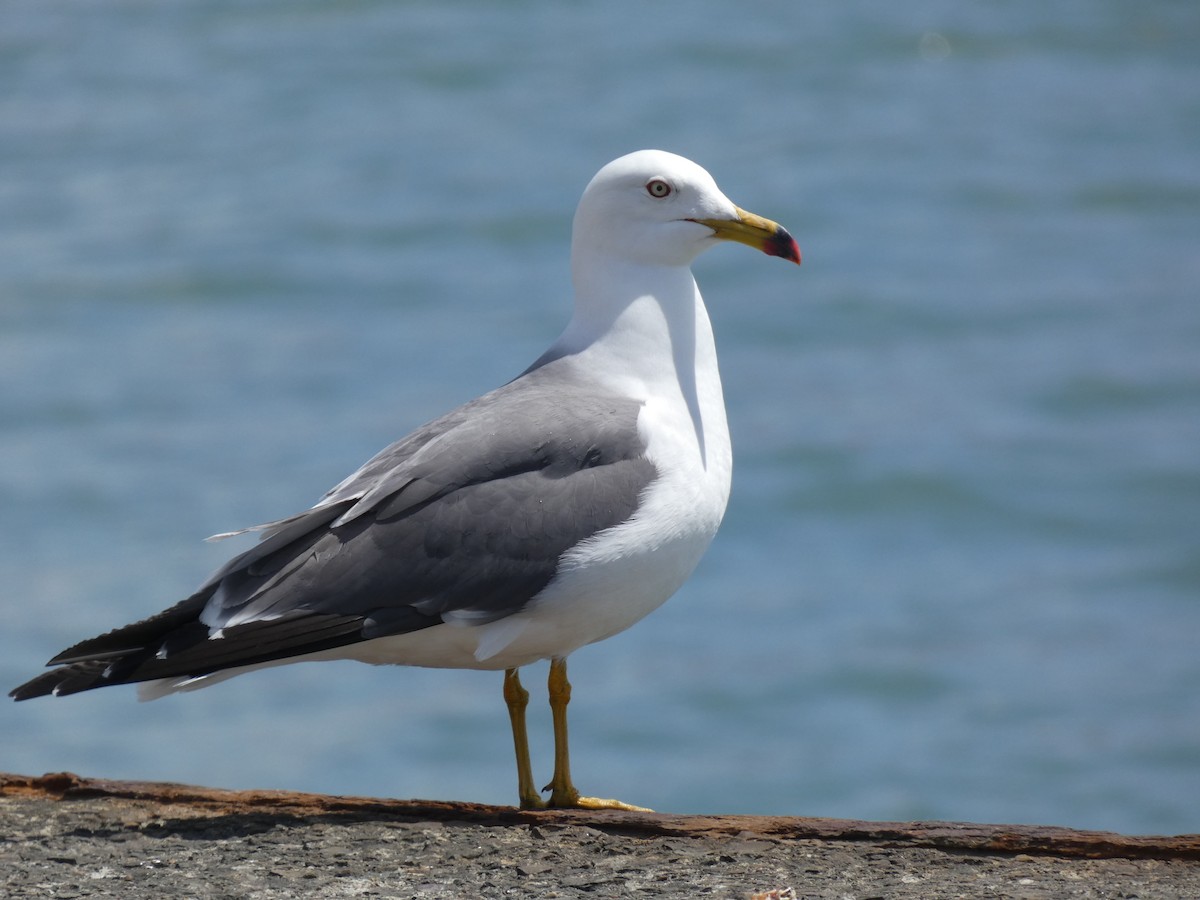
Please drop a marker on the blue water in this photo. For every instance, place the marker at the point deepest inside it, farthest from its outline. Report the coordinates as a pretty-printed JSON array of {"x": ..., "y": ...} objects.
[{"x": 243, "y": 246}]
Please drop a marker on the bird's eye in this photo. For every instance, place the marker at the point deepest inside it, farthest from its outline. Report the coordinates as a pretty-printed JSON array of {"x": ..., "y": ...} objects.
[{"x": 658, "y": 188}]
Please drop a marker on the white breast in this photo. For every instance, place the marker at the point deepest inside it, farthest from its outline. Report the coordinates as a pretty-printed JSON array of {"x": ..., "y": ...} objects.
[{"x": 609, "y": 582}]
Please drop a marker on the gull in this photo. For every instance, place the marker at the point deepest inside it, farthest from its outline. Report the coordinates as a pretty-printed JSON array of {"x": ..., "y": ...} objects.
[{"x": 548, "y": 514}]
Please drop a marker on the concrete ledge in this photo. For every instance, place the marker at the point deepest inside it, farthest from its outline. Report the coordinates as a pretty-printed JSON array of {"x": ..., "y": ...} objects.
[{"x": 68, "y": 836}]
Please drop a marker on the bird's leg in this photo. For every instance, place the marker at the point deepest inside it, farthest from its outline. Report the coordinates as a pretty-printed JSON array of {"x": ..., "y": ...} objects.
[
  {"x": 517, "y": 699},
  {"x": 562, "y": 791}
]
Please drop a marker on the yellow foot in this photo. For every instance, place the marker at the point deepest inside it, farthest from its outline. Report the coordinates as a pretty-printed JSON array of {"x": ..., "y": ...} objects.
[
  {"x": 568, "y": 798},
  {"x": 601, "y": 803}
]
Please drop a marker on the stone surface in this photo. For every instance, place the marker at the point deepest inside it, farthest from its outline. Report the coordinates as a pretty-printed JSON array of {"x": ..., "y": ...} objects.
[{"x": 64, "y": 837}]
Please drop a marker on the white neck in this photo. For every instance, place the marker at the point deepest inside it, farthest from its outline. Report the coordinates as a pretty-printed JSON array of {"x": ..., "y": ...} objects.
[{"x": 652, "y": 341}]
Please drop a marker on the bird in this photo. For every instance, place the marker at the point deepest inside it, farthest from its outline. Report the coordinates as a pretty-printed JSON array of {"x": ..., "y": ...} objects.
[{"x": 548, "y": 514}]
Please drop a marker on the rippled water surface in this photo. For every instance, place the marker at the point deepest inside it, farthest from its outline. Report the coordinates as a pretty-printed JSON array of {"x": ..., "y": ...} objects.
[{"x": 244, "y": 246}]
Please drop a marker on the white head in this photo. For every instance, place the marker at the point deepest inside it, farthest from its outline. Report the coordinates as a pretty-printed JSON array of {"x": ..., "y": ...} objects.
[{"x": 655, "y": 208}]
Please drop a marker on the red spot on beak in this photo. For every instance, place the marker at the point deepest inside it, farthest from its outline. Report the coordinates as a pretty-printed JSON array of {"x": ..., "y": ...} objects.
[{"x": 783, "y": 245}]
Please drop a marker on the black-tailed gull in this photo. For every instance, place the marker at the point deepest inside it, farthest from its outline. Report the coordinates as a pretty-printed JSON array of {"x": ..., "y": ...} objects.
[{"x": 551, "y": 513}]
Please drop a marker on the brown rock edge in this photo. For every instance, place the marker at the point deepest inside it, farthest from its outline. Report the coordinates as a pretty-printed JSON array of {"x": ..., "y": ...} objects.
[{"x": 1033, "y": 840}]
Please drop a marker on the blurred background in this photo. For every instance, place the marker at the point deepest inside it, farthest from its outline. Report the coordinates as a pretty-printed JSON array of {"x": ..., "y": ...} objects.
[{"x": 243, "y": 246}]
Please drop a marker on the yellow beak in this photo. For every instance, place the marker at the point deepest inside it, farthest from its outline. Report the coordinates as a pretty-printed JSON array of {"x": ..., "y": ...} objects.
[{"x": 755, "y": 231}]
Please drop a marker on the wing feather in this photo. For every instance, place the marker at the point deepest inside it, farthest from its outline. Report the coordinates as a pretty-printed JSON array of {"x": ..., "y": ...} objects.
[{"x": 464, "y": 519}]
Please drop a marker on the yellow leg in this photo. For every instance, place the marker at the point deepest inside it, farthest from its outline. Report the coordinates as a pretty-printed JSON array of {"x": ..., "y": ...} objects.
[
  {"x": 562, "y": 791},
  {"x": 517, "y": 699}
]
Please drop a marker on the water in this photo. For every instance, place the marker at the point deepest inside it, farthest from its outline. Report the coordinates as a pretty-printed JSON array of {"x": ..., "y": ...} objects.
[{"x": 246, "y": 245}]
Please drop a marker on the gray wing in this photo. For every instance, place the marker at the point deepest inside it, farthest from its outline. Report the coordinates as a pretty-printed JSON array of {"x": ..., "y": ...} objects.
[{"x": 466, "y": 517}]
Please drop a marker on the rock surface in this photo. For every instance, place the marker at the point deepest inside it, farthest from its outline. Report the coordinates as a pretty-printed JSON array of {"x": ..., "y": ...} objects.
[{"x": 68, "y": 837}]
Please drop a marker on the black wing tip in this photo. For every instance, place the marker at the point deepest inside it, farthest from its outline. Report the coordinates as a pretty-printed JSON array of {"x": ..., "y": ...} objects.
[
  {"x": 42, "y": 686},
  {"x": 63, "y": 680}
]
